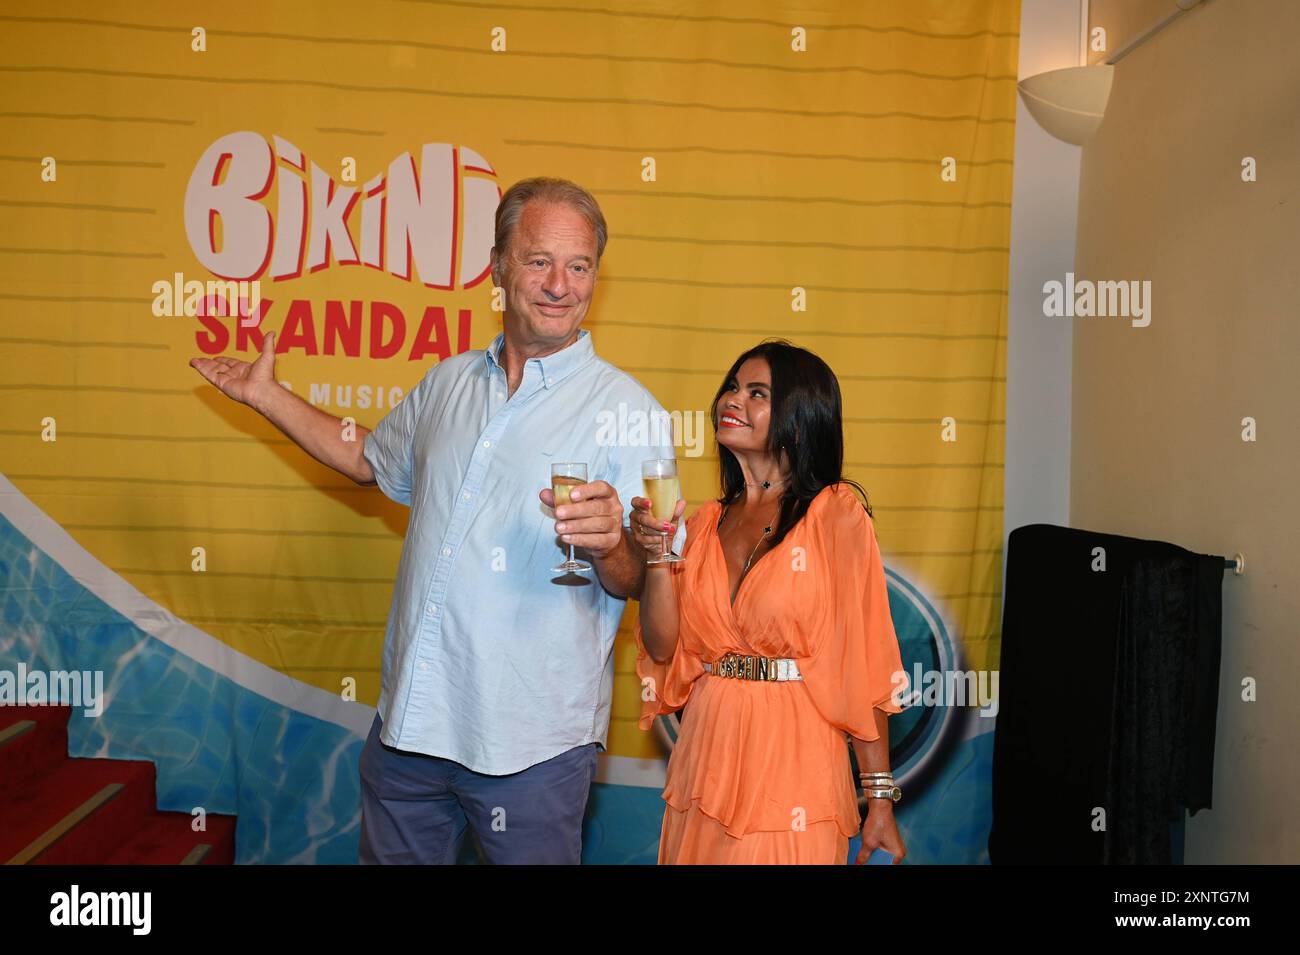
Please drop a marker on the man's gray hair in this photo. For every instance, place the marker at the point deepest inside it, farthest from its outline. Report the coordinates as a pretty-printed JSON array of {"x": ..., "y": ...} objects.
[{"x": 547, "y": 189}]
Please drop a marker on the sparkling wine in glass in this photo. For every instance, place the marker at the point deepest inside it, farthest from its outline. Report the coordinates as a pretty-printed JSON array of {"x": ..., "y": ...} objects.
[
  {"x": 564, "y": 478},
  {"x": 663, "y": 490}
]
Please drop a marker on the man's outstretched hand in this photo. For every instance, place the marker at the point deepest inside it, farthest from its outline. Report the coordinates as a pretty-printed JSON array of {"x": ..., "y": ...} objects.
[{"x": 244, "y": 381}]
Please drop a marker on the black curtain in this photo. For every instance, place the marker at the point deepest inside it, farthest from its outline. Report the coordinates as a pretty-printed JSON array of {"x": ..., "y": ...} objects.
[{"x": 1108, "y": 696}]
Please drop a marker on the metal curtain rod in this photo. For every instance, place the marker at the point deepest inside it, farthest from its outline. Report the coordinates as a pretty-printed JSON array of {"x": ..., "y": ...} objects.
[
  {"x": 1237, "y": 562},
  {"x": 1181, "y": 7}
]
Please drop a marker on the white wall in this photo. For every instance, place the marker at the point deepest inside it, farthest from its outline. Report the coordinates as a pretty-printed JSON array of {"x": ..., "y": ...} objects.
[
  {"x": 1043, "y": 217},
  {"x": 1157, "y": 441}
]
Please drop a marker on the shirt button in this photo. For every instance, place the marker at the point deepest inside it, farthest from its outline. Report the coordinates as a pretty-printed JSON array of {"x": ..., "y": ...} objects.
[
  {"x": 487, "y": 444},
  {"x": 549, "y": 382},
  {"x": 433, "y": 608},
  {"x": 446, "y": 552},
  {"x": 465, "y": 496},
  {"x": 423, "y": 665}
]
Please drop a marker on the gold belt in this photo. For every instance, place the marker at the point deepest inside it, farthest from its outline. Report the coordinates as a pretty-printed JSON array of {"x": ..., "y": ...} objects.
[{"x": 741, "y": 666}]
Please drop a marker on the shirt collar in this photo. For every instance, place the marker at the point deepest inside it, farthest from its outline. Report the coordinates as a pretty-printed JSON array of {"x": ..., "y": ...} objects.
[{"x": 554, "y": 367}]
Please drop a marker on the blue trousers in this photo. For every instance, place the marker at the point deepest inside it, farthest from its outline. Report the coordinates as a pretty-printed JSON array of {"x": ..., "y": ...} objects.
[{"x": 415, "y": 809}]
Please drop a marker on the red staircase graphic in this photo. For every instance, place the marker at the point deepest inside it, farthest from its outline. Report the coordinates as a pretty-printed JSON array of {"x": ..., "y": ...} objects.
[{"x": 56, "y": 810}]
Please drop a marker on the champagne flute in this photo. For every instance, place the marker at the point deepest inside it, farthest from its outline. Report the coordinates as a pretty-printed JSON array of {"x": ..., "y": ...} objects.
[
  {"x": 564, "y": 478},
  {"x": 663, "y": 490}
]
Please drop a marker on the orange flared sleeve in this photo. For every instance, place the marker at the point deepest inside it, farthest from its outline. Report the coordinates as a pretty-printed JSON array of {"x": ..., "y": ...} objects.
[
  {"x": 663, "y": 687},
  {"x": 854, "y": 665}
]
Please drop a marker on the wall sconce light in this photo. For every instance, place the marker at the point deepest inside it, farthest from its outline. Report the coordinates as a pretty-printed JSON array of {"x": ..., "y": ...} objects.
[{"x": 1071, "y": 103}]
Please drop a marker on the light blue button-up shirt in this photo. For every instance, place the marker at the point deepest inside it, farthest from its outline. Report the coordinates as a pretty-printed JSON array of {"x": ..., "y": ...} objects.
[{"x": 490, "y": 658}]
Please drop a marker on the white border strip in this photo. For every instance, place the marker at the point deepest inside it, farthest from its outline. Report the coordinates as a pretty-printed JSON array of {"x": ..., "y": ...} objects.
[{"x": 630, "y": 771}]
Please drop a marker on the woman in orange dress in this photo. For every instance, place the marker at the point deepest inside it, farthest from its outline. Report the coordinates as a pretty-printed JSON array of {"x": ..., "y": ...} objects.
[{"x": 784, "y": 570}]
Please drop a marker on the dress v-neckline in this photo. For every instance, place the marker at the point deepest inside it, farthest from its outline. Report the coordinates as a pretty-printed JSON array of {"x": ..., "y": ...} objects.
[
  {"x": 726, "y": 571},
  {"x": 744, "y": 578}
]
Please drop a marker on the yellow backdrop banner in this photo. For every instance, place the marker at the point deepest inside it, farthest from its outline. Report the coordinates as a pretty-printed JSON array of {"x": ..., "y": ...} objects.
[{"x": 838, "y": 174}]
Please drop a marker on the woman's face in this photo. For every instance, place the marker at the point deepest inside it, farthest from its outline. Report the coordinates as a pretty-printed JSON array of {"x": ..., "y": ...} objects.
[{"x": 744, "y": 411}]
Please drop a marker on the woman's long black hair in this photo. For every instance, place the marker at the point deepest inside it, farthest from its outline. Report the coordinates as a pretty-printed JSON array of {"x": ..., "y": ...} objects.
[{"x": 806, "y": 421}]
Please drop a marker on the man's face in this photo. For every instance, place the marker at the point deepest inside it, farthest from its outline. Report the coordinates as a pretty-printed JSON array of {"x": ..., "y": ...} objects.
[{"x": 549, "y": 275}]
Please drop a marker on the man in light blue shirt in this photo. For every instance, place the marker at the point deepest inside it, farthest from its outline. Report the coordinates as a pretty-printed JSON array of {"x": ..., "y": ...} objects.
[
  {"x": 497, "y": 671},
  {"x": 489, "y": 659}
]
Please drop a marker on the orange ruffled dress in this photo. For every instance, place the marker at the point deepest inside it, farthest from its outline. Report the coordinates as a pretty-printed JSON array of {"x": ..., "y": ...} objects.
[{"x": 760, "y": 771}]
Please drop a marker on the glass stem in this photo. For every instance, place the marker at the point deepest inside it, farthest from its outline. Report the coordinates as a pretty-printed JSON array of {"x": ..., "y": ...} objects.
[{"x": 664, "y": 550}]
